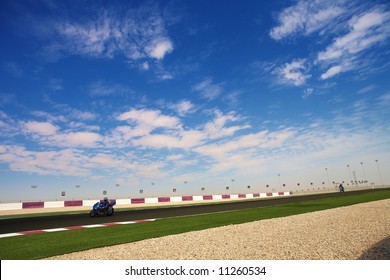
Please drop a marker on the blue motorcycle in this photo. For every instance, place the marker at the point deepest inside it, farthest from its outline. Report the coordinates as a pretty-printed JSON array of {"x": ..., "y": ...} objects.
[{"x": 100, "y": 209}]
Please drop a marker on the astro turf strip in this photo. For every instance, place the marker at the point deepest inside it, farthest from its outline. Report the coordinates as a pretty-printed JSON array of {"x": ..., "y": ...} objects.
[{"x": 43, "y": 245}]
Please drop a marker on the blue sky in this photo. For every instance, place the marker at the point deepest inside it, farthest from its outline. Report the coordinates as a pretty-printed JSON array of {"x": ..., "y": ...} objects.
[{"x": 126, "y": 96}]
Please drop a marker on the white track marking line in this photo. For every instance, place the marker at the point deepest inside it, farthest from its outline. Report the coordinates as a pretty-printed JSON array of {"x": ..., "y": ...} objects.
[{"x": 4, "y": 235}]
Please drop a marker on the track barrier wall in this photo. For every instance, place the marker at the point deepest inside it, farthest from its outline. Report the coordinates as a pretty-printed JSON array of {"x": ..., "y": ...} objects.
[{"x": 130, "y": 201}]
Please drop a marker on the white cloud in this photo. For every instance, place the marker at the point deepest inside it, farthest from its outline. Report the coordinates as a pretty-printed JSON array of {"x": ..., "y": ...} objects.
[
  {"x": 247, "y": 151},
  {"x": 306, "y": 17},
  {"x": 355, "y": 29},
  {"x": 294, "y": 73},
  {"x": 367, "y": 89},
  {"x": 41, "y": 128},
  {"x": 62, "y": 162},
  {"x": 333, "y": 71},
  {"x": 232, "y": 97},
  {"x": 183, "y": 107},
  {"x": 48, "y": 134},
  {"x": 365, "y": 31},
  {"x": 259, "y": 140},
  {"x": 180, "y": 140},
  {"x": 144, "y": 66},
  {"x": 150, "y": 119},
  {"x": 92, "y": 39},
  {"x": 8, "y": 126},
  {"x": 175, "y": 157},
  {"x": 369, "y": 20},
  {"x": 169, "y": 151},
  {"x": 106, "y": 161},
  {"x": 136, "y": 33},
  {"x": 103, "y": 88},
  {"x": 307, "y": 92},
  {"x": 76, "y": 139},
  {"x": 146, "y": 122},
  {"x": 142, "y": 123},
  {"x": 176, "y": 136},
  {"x": 159, "y": 48},
  {"x": 72, "y": 162},
  {"x": 121, "y": 136},
  {"x": 165, "y": 76},
  {"x": 208, "y": 89},
  {"x": 80, "y": 115},
  {"x": 49, "y": 117},
  {"x": 384, "y": 99},
  {"x": 217, "y": 128}
]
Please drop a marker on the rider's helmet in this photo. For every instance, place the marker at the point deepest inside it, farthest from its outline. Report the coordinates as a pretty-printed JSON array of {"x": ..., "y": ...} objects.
[{"x": 105, "y": 199}]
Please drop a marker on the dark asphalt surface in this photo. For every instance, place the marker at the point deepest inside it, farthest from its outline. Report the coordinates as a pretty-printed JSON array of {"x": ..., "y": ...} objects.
[{"x": 10, "y": 225}]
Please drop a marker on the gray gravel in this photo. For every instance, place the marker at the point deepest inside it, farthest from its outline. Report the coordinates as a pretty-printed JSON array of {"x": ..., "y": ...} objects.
[{"x": 360, "y": 231}]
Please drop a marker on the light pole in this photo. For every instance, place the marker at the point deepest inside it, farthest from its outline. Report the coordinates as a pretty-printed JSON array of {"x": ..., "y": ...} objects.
[
  {"x": 34, "y": 187},
  {"x": 117, "y": 185},
  {"x": 279, "y": 181},
  {"x": 354, "y": 177},
  {"x": 349, "y": 171},
  {"x": 233, "y": 184},
  {"x": 380, "y": 175},
  {"x": 327, "y": 175},
  {"x": 364, "y": 173},
  {"x": 77, "y": 187}
]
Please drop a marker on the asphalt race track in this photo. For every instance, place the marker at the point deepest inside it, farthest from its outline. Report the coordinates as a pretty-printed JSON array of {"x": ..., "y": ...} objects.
[{"x": 9, "y": 225}]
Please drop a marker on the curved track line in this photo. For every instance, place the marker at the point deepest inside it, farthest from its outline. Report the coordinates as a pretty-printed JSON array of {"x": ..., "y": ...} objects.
[{"x": 12, "y": 234}]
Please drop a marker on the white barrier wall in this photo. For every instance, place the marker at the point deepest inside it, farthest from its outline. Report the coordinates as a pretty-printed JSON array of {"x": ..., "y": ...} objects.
[
  {"x": 197, "y": 197},
  {"x": 129, "y": 201},
  {"x": 10, "y": 206},
  {"x": 123, "y": 201},
  {"x": 176, "y": 199},
  {"x": 89, "y": 202},
  {"x": 151, "y": 200},
  {"x": 54, "y": 204}
]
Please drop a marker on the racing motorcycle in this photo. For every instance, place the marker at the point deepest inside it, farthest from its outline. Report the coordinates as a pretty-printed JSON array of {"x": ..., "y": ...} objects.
[{"x": 99, "y": 209}]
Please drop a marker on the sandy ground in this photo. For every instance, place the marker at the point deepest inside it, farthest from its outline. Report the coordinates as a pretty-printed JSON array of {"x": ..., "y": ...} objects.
[{"x": 360, "y": 231}]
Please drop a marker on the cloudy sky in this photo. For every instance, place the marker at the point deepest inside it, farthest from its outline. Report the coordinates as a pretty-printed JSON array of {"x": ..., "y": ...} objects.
[{"x": 126, "y": 96}]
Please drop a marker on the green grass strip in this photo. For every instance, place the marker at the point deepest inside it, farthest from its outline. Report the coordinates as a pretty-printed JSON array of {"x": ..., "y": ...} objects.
[{"x": 43, "y": 245}]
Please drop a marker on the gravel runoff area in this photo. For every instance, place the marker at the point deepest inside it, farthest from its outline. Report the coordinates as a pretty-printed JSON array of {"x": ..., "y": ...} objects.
[{"x": 360, "y": 231}]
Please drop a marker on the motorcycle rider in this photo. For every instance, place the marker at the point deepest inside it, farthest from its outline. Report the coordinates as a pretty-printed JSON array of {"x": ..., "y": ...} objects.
[{"x": 107, "y": 203}]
